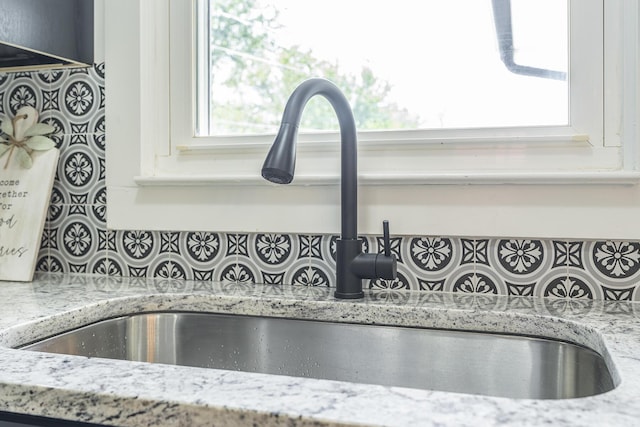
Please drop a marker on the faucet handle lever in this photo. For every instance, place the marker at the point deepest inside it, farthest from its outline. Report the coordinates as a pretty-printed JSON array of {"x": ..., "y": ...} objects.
[
  {"x": 385, "y": 238},
  {"x": 386, "y": 264},
  {"x": 377, "y": 266}
]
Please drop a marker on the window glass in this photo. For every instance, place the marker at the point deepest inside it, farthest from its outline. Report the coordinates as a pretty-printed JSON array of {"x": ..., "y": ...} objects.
[{"x": 406, "y": 64}]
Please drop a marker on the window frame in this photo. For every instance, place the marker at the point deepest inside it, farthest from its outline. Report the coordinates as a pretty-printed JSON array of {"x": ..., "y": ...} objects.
[
  {"x": 166, "y": 167},
  {"x": 584, "y": 134}
]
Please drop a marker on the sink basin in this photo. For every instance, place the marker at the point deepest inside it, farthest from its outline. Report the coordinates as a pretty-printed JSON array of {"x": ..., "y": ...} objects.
[{"x": 455, "y": 361}]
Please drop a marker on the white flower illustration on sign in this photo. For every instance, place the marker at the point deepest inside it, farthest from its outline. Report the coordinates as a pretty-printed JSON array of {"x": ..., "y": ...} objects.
[{"x": 23, "y": 135}]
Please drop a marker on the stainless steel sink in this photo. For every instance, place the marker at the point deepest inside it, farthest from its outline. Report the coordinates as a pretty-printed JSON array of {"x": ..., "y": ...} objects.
[{"x": 466, "y": 362}]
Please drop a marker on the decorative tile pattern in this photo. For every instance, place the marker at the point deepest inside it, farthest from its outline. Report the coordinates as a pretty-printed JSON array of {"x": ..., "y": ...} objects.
[
  {"x": 272, "y": 249},
  {"x": 313, "y": 245},
  {"x": 616, "y": 260},
  {"x": 431, "y": 253},
  {"x": 474, "y": 251},
  {"x": 19, "y": 90},
  {"x": 201, "y": 247},
  {"x": 76, "y": 238}
]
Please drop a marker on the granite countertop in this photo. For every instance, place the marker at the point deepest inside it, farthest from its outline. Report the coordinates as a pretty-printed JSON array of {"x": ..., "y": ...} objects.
[{"x": 115, "y": 392}]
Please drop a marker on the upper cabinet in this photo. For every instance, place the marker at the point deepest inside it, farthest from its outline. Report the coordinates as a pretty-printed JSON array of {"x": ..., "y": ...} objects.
[{"x": 46, "y": 33}]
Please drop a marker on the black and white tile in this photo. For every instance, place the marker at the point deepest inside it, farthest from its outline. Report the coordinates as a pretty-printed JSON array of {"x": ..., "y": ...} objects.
[
  {"x": 20, "y": 90},
  {"x": 311, "y": 273},
  {"x": 200, "y": 253},
  {"x": 76, "y": 238},
  {"x": 271, "y": 255}
]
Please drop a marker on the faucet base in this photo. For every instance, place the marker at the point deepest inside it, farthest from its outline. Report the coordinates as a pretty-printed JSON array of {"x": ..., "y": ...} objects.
[
  {"x": 348, "y": 283},
  {"x": 348, "y": 295}
]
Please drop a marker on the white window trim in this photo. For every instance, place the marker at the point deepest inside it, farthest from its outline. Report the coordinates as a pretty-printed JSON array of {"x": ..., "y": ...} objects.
[{"x": 223, "y": 191}]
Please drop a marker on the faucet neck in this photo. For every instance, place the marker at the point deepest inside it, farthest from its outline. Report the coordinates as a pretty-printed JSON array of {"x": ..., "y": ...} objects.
[
  {"x": 351, "y": 264},
  {"x": 349, "y": 165}
]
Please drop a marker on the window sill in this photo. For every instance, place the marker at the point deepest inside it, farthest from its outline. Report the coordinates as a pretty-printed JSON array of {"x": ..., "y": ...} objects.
[{"x": 480, "y": 178}]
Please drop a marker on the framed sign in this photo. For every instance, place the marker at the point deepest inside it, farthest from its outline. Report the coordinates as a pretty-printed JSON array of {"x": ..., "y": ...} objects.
[
  {"x": 27, "y": 169},
  {"x": 24, "y": 200}
]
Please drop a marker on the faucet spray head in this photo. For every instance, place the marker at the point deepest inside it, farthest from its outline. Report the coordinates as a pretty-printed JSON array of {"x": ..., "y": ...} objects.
[{"x": 280, "y": 163}]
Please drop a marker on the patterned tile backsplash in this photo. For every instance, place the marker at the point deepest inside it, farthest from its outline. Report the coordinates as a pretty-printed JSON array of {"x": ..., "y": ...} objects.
[{"x": 76, "y": 238}]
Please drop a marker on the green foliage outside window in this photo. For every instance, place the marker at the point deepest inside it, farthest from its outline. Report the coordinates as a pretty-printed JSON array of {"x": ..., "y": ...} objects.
[{"x": 253, "y": 76}]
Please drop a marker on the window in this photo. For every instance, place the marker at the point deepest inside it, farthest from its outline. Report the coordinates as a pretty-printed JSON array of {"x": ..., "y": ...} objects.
[
  {"x": 575, "y": 106},
  {"x": 587, "y": 155},
  {"x": 417, "y": 65}
]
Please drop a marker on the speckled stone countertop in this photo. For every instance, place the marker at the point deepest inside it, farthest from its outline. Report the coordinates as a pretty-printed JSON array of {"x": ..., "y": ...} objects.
[{"x": 115, "y": 392}]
